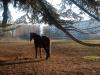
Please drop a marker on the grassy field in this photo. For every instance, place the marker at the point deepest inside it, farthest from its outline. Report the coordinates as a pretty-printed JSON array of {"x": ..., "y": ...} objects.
[{"x": 67, "y": 58}]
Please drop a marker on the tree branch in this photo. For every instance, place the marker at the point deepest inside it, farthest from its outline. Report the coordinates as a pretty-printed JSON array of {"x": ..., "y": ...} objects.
[{"x": 56, "y": 23}]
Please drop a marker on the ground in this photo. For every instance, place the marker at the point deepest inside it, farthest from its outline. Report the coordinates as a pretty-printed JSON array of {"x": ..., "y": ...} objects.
[{"x": 67, "y": 58}]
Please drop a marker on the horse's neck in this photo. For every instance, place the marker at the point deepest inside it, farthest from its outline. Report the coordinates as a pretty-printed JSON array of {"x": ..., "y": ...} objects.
[{"x": 37, "y": 37}]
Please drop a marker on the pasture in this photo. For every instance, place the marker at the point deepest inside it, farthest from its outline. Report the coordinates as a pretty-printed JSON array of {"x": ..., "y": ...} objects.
[{"x": 67, "y": 58}]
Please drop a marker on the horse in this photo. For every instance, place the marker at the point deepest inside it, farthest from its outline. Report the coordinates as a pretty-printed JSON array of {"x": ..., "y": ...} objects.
[{"x": 41, "y": 42}]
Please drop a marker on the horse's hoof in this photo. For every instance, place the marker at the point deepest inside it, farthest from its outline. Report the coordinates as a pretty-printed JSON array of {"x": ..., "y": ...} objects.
[
  {"x": 47, "y": 58},
  {"x": 35, "y": 57}
]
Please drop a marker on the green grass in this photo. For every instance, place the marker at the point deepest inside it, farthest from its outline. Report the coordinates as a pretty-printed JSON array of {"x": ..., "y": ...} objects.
[{"x": 91, "y": 57}]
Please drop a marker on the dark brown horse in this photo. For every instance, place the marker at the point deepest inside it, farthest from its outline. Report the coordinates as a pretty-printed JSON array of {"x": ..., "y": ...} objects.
[{"x": 41, "y": 42}]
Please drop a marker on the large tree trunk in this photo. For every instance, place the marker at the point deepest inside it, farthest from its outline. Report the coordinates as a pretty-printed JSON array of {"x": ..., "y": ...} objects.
[
  {"x": 5, "y": 13},
  {"x": 57, "y": 24}
]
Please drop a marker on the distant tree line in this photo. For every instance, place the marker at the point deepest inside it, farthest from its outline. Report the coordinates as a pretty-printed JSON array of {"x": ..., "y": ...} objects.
[{"x": 50, "y": 31}]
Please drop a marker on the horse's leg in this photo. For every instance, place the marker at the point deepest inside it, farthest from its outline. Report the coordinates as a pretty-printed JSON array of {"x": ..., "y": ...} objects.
[
  {"x": 48, "y": 53},
  {"x": 36, "y": 52},
  {"x": 40, "y": 53},
  {"x": 47, "y": 50}
]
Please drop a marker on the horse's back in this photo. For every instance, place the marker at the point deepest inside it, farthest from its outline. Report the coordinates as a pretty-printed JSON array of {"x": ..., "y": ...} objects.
[
  {"x": 46, "y": 41},
  {"x": 40, "y": 41},
  {"x": 45, "y": 38}
]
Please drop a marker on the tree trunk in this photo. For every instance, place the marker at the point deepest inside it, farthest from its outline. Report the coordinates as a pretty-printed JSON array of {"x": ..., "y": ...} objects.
[{"x": 5, "y": 13}]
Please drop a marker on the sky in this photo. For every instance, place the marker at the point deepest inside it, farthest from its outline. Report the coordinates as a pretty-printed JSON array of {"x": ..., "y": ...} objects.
[
  {"x": 74, "y": 7},
  {"x": 17, "y": 14}
]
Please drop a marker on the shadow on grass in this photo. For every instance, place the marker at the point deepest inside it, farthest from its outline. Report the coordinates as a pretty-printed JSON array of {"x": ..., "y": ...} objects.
[{"x": 20, "y": 61}]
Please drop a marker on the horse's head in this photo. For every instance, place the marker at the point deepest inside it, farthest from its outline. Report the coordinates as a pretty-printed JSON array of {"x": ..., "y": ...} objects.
[{"x": 32, "y": 35}]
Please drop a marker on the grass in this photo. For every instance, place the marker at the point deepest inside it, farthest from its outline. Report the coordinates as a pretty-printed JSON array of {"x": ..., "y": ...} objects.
[
  {"x": 64, "y": 60},
  {"x": 91, "y": 58}
]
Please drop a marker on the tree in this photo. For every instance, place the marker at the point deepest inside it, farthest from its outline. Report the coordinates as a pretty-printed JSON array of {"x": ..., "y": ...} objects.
[{"x": 42, "y": 11}]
